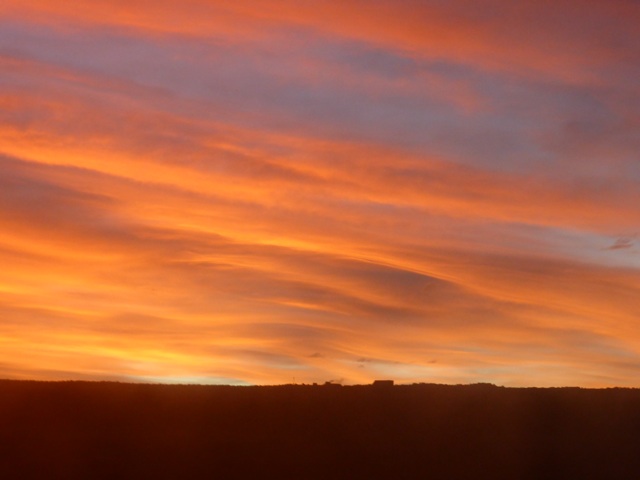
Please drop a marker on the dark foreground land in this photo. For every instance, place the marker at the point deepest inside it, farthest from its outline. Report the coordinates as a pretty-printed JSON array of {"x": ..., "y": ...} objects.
[{"x": 78, "y": 430}]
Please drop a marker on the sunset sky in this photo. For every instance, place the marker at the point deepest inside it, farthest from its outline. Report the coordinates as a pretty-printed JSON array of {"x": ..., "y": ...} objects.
[{"x": 270, "y": 191}]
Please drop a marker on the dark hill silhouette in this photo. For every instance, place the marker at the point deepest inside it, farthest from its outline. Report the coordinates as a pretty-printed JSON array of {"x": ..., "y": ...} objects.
[{"x": 83, "y": 430}]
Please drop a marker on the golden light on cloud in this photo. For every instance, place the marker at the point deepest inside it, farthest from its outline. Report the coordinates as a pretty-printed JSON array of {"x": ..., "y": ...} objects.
[{"x": 198, "y": 192}]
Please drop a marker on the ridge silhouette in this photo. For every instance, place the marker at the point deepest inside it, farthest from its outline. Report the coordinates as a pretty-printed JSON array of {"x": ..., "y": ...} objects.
[{"x": 85, "y": 430}]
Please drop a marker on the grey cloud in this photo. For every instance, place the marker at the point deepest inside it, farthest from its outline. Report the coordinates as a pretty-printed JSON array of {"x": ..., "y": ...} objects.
[{"x": 623, "y": 243}]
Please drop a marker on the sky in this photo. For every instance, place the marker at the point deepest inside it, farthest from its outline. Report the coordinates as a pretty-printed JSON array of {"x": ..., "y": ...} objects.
[{"x": 280, "y": 191}]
